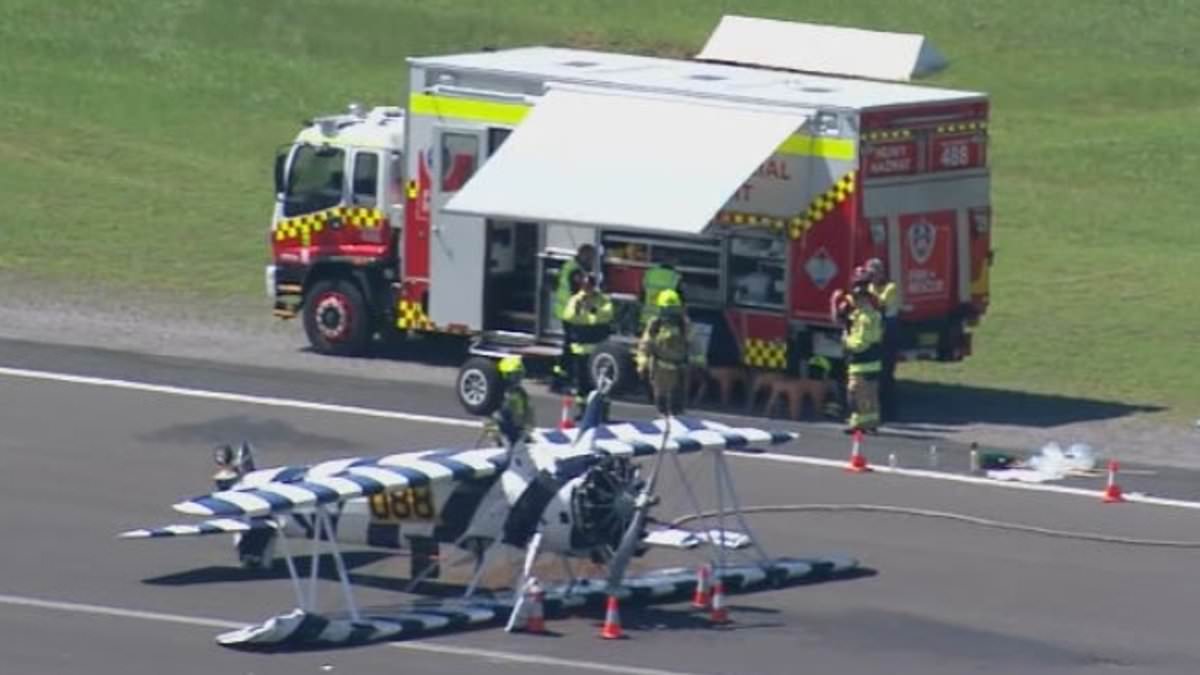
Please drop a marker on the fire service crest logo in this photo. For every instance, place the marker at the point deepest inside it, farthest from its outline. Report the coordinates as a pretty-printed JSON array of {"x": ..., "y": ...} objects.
[{"x": 921, "y": 239}]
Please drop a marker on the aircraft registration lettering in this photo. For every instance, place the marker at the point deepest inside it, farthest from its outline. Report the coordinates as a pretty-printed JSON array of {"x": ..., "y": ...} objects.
[{"x": 404, "y": 504}]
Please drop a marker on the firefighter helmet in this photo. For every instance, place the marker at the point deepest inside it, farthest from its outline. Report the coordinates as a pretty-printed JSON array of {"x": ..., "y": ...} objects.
[
  {"x": 667, "y": 298},
  {"x": 820, "y": 363},
  {"x": 874, "y": 267},
  {"x": 669, "y": 304},
  {"x": 511, "y": 368}
]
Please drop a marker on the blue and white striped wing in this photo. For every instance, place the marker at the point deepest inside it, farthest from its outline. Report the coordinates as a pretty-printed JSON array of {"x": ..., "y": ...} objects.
[
  {"x": 683, "y": 434},
  {"x": 217, "y": 526},
  {"x": 340, "y": 480}
]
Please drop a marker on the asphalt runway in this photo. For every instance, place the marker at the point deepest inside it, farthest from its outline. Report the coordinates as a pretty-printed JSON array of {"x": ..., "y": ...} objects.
[{"x": 82, "y": 462}]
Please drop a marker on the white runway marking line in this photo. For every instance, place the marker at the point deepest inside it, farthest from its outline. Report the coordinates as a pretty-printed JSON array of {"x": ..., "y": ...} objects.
[
  {"x": 237, "y": 398},
  {"x": 975, "y": 480},
  {"x": 82, "y": 608},
  {"x": 460, "y": 422},
  {"x": 430, "y": 647},
  {"x": 570, "y": 664}
]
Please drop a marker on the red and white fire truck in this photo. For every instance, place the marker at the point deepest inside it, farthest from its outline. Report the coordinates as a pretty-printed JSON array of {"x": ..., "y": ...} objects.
[{"x": 764, "y": 187}]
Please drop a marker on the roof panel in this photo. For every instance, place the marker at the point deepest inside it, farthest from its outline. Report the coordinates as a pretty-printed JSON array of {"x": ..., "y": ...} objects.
[
  {"x": 632, "y": 72},
  {"x": 822, "y": 49}
]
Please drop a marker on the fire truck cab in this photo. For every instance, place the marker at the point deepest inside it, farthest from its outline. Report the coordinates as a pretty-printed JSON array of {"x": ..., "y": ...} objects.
[{"x": 762, "y": 187}]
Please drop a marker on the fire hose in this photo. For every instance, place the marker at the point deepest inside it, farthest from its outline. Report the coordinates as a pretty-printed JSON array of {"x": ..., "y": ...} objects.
[{"x": 946, "y": 515}]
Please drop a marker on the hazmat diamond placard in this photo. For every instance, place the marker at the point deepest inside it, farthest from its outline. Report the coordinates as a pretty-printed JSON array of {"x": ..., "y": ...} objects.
[{"x": 821, "y": 268}]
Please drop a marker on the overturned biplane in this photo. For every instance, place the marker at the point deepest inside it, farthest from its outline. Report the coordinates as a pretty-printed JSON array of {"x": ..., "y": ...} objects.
[{"x": 575, "y": 494}]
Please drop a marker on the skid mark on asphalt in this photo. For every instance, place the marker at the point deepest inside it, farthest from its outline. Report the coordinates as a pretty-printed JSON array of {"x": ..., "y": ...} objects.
[
  {"x": 475, "y": 424},
  {"x": 429, "y": 647}
]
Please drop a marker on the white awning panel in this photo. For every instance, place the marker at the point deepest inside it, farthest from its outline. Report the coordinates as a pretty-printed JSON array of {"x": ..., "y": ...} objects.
[
  {"x": 602, "y": 158},
  {"x": 814, "y": 48}
]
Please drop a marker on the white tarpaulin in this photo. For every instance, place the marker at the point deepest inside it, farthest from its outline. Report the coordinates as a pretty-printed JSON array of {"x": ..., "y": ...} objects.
[
  {"x": 602, "y": 158},
  {"x": 822, "y": 49}
]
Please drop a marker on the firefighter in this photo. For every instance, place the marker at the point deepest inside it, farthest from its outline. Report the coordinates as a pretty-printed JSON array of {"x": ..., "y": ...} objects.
[
  {"x": 862, "y": 342},
  {"x": 662, "y": 354},
  {"x": 570, "y": 279},
  {"x": 658, "y": 278},
  {"x": 888, "y": 301},
  {"x": 514, "y": 420},
  {"x": 588, "y": 317}
]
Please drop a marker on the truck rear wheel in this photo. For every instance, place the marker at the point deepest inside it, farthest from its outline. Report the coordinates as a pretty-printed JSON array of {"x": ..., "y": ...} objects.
[
  {"x": 611, "y": 368},
  {"x": 336, "y": 319},
  {"x": 478, "y": 386}
]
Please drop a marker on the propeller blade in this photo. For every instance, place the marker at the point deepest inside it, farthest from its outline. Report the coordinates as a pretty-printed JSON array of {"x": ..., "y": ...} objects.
[
  {"x": 624, "y": 553},
  {"x": 531, "y": 553}
]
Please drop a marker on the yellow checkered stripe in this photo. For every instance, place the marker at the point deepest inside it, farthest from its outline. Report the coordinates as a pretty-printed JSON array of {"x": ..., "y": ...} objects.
[
  {"x": 303, "y": 227},
  {"x": 796, "y": 226},
  {"x": 824, "y": 203},
  {"x": 887, "y": 135},
  {"x": 961, "y": 127},
  {"x": 765, "y": 353},
  {"x": 411, "y": 316},
  {"x": 758, "y": 220}
]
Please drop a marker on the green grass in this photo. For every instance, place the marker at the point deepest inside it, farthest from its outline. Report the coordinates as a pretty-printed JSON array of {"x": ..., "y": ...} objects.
[{"x": 136, "y": 140}]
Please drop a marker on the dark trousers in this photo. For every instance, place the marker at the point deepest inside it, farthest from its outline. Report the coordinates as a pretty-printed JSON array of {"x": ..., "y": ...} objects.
[
  {"x": 581, "y": 376},
  {"x": 565, "y": 366}
]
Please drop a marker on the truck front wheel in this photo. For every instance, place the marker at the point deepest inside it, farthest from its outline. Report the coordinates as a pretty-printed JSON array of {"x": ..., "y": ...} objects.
[
  {"x": 478, "y": 386},
  {"x": 612, "y": 369},
  {"x": 335, "y": 318}
]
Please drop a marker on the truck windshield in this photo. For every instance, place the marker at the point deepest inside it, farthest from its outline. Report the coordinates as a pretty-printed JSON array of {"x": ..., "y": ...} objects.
[{"x": 315, "y": 181}]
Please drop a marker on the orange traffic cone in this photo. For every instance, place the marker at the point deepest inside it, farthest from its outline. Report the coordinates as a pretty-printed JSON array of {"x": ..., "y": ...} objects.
[
  {"x": 536, "y": 621},
  {"x": 719, "y": 614},
  {"x": 1112, "y": 492},
  {"x": 567, "y": 420},
  {"x": 858, "y": 462},
  {"x": 612, "y": 621},
  {"x": 700, "y": 598}
]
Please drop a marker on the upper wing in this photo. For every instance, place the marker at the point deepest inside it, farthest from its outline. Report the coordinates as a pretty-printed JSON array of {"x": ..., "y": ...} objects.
[
  {"x": 335, "y": 482},
  {"x": 217, "y": 526},
  {"x": 638, "y": 439},
  {"x": 340, "y": 480}
]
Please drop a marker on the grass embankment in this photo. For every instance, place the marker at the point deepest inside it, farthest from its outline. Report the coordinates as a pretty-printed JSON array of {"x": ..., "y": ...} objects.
[{"x": 137, "y": 138}]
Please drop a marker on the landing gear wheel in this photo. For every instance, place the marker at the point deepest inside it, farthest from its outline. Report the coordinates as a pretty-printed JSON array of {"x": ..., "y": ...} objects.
[
  {"x": 336, "y": 319},
  {"x": 478, "y": 386},
  {"x": 611, "y": 369}
]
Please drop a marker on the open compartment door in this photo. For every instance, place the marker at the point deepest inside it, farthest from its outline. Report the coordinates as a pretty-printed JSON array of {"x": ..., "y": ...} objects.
[
  {"x": 616, "y": 159},
  {"x": 813, "y": 48}
]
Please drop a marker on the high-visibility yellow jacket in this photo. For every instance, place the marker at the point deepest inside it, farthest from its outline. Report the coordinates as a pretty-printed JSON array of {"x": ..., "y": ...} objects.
[
  {"x": 590, "y": 315},
  {"x": 563, "y": 291},
  {"x": 862, "y": 341},
  {"x": 664, "y": 344},
  {"x": 887, "y": 297}
]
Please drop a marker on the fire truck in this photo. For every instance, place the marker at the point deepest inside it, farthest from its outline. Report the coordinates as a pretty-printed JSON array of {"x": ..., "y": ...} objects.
[{"x": 762, "y": 183}]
